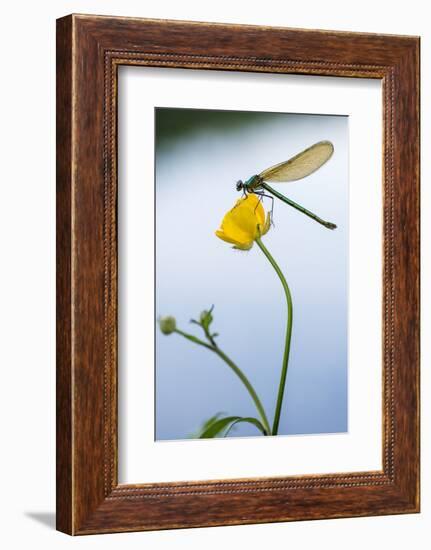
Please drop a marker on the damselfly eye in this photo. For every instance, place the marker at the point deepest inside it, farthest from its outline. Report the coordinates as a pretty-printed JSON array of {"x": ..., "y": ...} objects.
[{"x": 239, "y": 185}]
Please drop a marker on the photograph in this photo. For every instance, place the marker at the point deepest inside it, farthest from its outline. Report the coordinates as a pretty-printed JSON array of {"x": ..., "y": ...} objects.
[{"x": 251, "y": 273}]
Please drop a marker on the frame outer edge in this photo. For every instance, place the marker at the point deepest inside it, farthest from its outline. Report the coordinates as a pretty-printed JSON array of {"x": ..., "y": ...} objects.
[
  {"x": 407, "y": 280},
  {"x": 64, "y": 368}
]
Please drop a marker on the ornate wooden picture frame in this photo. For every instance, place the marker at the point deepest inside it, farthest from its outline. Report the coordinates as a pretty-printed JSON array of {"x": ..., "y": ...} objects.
[{"x": 89, "y": 51}]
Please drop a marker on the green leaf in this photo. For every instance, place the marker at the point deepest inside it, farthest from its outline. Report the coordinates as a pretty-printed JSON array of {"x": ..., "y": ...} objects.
[
  {"x": 216, "y": 427},
  {"x": 250, "y": 420},
  {"x": 206, "y": 425}
]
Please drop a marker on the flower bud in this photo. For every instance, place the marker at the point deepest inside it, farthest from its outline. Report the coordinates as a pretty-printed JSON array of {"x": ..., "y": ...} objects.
[
  {"x": 206, "y": 317},
  {"x": 168, "y": 324}
]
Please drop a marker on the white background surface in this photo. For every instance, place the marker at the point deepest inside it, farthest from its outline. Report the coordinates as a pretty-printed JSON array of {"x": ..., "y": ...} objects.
[
  {"x": 141, "y": 458},
  {"x": 27, "y": 277}
]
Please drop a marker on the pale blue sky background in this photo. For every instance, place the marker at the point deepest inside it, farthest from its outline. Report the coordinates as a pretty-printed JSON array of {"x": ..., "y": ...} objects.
[{"x": 199, "y": 157}]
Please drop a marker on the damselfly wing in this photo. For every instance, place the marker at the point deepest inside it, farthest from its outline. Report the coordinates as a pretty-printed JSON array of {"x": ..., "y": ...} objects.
[{"x": 300, "y": 166}]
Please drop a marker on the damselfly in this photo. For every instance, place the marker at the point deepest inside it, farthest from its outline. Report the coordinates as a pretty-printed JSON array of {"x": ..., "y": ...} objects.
[{"x": 301, "y": 165}]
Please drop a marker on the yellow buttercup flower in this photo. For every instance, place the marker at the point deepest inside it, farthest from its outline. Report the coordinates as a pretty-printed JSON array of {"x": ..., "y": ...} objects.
[{"x": 246, "y": 222}]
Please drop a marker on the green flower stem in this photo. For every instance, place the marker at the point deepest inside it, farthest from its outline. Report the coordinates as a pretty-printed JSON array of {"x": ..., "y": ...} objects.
[
  {"x": 287, "y": 340},
  {"x": 215, "y": 349}
]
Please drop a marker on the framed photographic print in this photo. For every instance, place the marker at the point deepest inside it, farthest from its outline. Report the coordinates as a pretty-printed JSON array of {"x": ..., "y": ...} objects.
[{"x": 237, "y": 274}]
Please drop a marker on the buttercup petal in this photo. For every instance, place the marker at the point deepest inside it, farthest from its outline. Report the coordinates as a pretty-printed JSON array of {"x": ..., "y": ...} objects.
[
  {"x": 222, "y": 235},
  {"x": 240, "y": 221},
  {"x": 255, "y": 207},
  {"x": 245, "y": 246},
  {"x": 260, "y": 213}
]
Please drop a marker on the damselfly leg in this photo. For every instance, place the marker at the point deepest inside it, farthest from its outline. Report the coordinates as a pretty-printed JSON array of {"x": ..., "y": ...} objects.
[{"x": 261, "y": 194}]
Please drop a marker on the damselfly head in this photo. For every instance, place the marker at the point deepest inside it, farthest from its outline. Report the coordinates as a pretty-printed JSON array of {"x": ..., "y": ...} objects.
[{"x": 239, "y": 185}]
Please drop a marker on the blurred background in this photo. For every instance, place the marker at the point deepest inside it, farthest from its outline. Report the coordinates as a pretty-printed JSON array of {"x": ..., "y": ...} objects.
[{"x": 200, "y": 154}]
